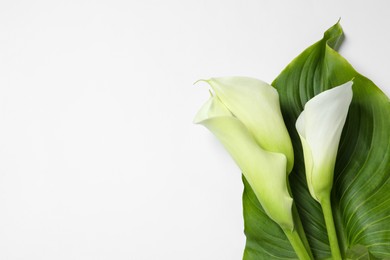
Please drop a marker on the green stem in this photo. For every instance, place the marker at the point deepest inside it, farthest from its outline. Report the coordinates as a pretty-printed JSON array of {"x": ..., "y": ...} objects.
[
  {"x": 298, "y": 224},
  {"x": 341, "y": 235},
  {"x": 330, "y": 227},
  {"x": 297, "y": 244},
  {"x": 300, "y": 230}
]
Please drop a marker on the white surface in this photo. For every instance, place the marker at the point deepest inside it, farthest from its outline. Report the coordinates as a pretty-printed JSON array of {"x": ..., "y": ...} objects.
[{"x": 99, "y": 158}]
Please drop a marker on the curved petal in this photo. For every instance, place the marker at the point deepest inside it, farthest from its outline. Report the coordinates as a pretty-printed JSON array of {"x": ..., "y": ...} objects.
[
  {"x": 265, "y": 171},
  {"x": 319, "y": 127},
  {"x": 256, "y": 104}
]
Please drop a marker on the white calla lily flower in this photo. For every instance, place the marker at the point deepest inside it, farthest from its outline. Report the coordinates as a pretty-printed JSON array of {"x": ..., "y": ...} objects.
[
  {"x": 256, "y": 104},
  {"x": 319, "y": 126},
  {"x": 265, "y": 171}
]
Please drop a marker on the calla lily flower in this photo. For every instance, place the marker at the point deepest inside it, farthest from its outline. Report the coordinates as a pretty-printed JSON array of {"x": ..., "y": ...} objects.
[
  {"x": 319, "y": 126},
  {"x": 256, "y": 104},
  {"x": 264, "y": 170}
]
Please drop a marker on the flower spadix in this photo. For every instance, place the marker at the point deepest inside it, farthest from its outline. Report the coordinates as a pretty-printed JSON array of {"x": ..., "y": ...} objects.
[
  {"x": 256, "y": 104},
  {"x": 319, "y": 126},
  {"x": 264, "y": 170}
]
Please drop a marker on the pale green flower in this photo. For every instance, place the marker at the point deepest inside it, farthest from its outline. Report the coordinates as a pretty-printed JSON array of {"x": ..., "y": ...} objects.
[
  {"x": 264, "y": 170},
  {"x": 319, "y": 126},
  {"x": 256, "y": 104}
]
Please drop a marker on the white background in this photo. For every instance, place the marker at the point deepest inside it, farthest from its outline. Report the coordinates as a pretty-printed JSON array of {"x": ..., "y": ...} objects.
[{"x": 99, "y": 158}]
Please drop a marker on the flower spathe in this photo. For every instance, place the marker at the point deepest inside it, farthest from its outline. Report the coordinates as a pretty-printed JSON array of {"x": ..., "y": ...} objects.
[
  {"x": 256, "y": 104},
  {"x": 265, "y": 171},
  {"x": 319, "y": 127}
]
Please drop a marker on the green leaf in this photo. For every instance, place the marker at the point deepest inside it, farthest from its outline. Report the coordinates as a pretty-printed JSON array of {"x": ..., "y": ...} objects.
[
  {"x": 265, "y": 239},
  {"x": 361, "y": 190},
  {"x": 359, "y": 252}
]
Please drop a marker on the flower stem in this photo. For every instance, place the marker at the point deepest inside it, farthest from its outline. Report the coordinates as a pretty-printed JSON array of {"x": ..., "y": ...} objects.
[
  {"x": 298, "y": 224},
  {"x": 300, "y": 230},
  {"x": 330, "y": 227},
  {"x": 297, "y": 244}
]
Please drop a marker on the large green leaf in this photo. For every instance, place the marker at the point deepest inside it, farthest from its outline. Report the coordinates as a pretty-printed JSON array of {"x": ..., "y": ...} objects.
[{"x": 361, "y": 191}]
